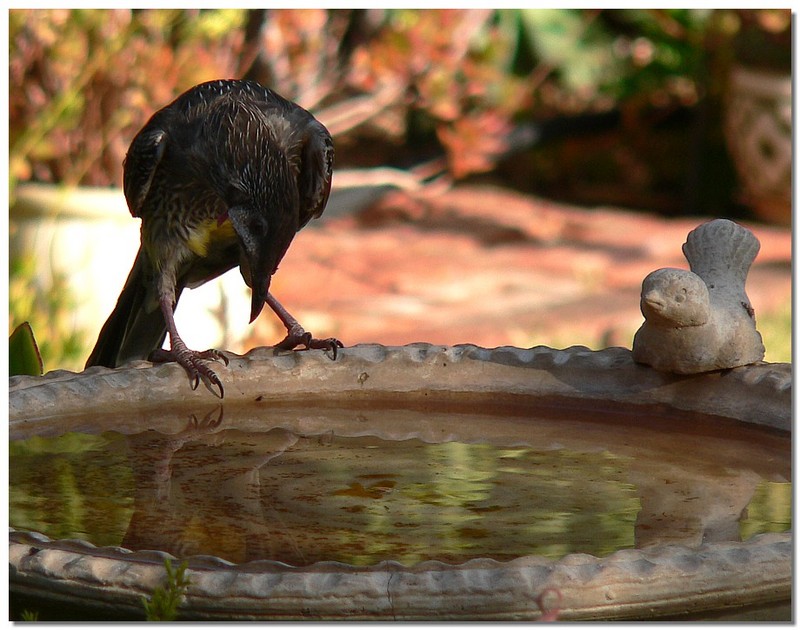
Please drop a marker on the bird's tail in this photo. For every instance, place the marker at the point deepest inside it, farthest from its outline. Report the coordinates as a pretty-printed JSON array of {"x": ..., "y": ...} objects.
[
  {"x": 721, "y": 252},
  {"x": 136, "y": 326}
]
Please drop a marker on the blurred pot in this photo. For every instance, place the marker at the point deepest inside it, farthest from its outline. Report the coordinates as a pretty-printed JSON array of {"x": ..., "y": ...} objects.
[{"x": 758, "y": 130}]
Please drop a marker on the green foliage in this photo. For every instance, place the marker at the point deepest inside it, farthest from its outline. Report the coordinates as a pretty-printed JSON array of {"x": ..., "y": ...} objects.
[
  {"x": 29, "y": 615},
  {"x": 459, "y": 76},
  {"x": 23, "y": 353},
  {"x": 663, "y": 49},
  {"x": 163, "y": 605},
  {"x": 85, "y": 80},
  {"x": 48, "y": 306},
  {"x": 397, "y": 86},
  {"x": 776, "y": 332},
  {"x": 575, "y": 47}
]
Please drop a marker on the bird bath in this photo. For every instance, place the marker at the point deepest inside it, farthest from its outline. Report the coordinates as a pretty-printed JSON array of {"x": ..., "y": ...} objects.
[{"x": 418, "y": 482}]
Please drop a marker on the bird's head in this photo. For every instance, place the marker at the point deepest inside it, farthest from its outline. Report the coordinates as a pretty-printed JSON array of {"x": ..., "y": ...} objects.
[
  {"x": 264, "y": 236},
  {"x": 675, "y": 298},
  {"x": 261, "y": 169}
]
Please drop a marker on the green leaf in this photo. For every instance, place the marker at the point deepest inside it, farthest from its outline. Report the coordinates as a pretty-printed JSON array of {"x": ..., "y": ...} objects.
[
  {"x": 23, "y": 353},
  {"x": 30, "y": 615},
  {"x": 163, "y": 605}
]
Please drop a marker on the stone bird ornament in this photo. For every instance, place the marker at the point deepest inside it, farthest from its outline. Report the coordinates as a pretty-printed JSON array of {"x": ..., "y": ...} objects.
[{"x": 702, "y": 320}]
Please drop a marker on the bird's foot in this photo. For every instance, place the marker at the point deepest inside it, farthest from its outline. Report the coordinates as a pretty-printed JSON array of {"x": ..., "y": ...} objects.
[
  {"x": 297, "y": 336},
  {"x": 194, "y": 363}
]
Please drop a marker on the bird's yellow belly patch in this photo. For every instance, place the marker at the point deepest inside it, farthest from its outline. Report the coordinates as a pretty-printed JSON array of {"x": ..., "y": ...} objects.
[{"x": 211, "y": 234}]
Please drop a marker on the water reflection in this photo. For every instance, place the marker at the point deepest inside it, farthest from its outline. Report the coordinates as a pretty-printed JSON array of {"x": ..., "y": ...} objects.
[{"x": 244, "y": 493}]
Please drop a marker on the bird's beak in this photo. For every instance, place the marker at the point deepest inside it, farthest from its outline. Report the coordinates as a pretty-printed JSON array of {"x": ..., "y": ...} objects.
[
  {"x": 252, "y": 229},
  {"x": 654, "y": 300}
]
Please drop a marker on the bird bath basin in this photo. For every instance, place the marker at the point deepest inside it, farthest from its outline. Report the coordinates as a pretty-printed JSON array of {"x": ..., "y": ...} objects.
[{"x": 421, "y": 482}]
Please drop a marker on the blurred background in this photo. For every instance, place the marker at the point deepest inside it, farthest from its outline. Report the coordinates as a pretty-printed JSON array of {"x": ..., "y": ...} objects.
[{"x": 502, "y": 176}]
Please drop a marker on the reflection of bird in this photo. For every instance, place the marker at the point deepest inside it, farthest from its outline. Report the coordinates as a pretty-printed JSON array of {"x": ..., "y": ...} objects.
[
  {"x": 224, "y": 176},
  {"x": 702, "y": 320}
]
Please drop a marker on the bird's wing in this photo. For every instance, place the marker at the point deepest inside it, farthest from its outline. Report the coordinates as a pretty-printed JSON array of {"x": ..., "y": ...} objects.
[
  {"x": 147, "y": 148},
  {"x": 141, "y": 162},
  {"x": 316, "y": 171},
  {"x": 308, "y": 147}
]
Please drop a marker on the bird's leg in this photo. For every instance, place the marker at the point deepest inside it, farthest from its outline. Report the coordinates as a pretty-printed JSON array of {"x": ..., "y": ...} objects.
[
  {"x": 191, "y": 360},
  {"x": 296, "y": 334}
]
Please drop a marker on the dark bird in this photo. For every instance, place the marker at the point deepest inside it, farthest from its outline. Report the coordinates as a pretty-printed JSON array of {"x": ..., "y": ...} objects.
[{"x": 225, "y": 175}]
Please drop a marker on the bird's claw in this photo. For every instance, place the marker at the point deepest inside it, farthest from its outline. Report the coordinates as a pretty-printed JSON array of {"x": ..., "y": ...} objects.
[
  {"x": 212, "y": 354},
  {"x": 331, "y": 344},
  {"x": 299, "y": 337},
  {"x": 209, "y": 378},
  {"x": 194, "y": 364}
]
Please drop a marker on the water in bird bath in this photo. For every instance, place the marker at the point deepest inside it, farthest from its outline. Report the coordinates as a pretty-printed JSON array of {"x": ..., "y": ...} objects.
[{"x": 361, "y": 485}]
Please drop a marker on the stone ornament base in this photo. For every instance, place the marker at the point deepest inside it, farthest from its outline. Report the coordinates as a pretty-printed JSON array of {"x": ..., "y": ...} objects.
[{"x": 659, "y": 581}]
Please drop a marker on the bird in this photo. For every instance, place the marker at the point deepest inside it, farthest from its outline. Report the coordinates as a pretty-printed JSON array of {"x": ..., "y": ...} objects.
[
  {"x": 701, "y": 320},
  {"x": 223, "y": 176}
]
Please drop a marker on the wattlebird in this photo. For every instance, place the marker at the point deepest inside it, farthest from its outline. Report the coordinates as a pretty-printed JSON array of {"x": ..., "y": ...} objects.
[{"x": 225, "y": 175}]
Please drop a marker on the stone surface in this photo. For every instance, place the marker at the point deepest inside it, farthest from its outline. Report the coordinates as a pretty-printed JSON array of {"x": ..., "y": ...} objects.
[
  {"x": 702, "y": 320},
  {"x": 630, "y": 584}
]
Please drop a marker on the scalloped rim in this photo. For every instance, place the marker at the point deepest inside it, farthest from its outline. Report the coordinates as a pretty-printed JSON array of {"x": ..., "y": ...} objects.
[
  {"x": 759, "y": 393},
  {"x": 652, "y": 582},
  {"x": 629, "y": 584}
]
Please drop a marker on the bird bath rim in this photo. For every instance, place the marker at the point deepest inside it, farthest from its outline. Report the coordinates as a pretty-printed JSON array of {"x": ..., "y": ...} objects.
[{"x": 664, "y": 580}]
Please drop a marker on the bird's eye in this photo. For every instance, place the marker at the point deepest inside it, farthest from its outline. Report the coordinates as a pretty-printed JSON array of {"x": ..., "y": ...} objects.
[{"x": 680, "y": 297}]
